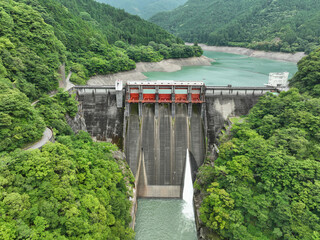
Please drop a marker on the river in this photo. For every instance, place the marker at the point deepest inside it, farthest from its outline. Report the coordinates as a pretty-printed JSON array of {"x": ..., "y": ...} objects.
[{"x": 164, "y": 218}]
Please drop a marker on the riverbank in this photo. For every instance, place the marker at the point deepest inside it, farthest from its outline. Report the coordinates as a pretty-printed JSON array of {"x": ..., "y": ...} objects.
[
  {"x": 168, "y": 65},
  {"x": 288, "y": 57}
]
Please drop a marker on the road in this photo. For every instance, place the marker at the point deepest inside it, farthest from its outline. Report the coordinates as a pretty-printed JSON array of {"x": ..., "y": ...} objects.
[{"x": 47, "y": 135}]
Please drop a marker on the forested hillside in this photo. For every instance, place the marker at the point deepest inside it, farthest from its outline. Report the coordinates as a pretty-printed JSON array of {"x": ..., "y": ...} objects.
[
  {"x": 265, "y": 184},
  {"x": 114, "y": 24},
  {"x": 280, "y": 25},
  {"x": 30, "y": 52},
  {"x": 71, "y": 189},
  {"x": 144, "y": 8}
]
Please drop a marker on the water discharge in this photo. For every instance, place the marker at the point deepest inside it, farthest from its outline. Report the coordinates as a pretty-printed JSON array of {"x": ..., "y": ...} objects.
[
  {"x": 188, "y": 190},
  {"x": 170, "y": 219}
]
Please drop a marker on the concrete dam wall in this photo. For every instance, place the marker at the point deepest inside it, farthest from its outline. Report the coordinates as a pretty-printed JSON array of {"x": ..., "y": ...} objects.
[
  {"x": 220, "y": 107},
  {"x": 104, "y": 121},
  {"x": 155, "y": 136},
  {"x": 155, "y": 147}
]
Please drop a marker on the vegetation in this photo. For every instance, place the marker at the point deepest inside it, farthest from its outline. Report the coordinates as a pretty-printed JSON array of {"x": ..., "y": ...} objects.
[
  {"x": 282, "y": 25},
  {"x": 71, "y": 189},
  {"x": 307, "y": 79},
  {"x": 155, "y": 52},
  {"x": 265, "y": 184},
  {"x": 30, "y": 52},
  {"x": 113, "y": 24},
  {"x": 19, "y": 122},
  {"x": 144, "y": 8},
  {"x": 54, "y": 109}
]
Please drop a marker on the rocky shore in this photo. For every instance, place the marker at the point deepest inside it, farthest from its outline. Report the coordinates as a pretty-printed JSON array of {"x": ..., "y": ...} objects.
[
  {"x": 288, "y": 57},
  {"x": 168, "y": 65}
]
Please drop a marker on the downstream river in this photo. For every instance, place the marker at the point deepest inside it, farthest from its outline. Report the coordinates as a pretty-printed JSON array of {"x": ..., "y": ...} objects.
[{"x": 166, "y": 219}]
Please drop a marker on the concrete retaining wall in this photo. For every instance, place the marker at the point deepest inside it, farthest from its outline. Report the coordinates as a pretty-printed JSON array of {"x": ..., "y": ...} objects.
[
  {"x": 103, "y": 119},
  {"x": 220, "y": 107}
]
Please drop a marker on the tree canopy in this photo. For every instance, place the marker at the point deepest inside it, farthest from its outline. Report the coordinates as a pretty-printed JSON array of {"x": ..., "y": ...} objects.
[
  {"x": 20, "y": 123},
  {"x": 30, "y": 52},
  {"x": 307, "y": 79},
  {"x": 71, "y": 189}
]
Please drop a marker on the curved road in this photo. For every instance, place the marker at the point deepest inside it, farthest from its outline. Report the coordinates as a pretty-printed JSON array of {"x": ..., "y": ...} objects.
[{"x": 47, "y": 135}]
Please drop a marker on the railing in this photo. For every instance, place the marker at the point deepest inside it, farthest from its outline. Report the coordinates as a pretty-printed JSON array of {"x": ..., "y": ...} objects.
[
  {"x": 209, "y": 90},
  {"x": 95, "y": 87},
  {"x": 229, "y": 90}
]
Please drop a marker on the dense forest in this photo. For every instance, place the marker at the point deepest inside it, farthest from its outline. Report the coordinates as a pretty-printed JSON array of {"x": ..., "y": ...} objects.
[
  {"x": 144, "y": 8},
  {"x": 265, "y": 183},
  {"x": 71, "y": 189},
  {"x": 281, "y": 25}
]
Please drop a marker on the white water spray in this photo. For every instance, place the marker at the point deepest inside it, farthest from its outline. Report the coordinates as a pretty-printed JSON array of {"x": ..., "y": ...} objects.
[{"x": 188, "y": 190}]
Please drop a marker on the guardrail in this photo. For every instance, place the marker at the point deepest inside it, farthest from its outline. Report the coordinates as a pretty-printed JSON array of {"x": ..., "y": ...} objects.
[
  {"x": 209, "y": 90},
  {"x": 229, "y": 90}
]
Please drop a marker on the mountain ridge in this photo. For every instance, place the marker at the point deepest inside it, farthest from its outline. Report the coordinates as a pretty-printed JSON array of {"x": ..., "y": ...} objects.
[
  {"x": 283, "y": 25},
  {"x": 144, "y": 8}
]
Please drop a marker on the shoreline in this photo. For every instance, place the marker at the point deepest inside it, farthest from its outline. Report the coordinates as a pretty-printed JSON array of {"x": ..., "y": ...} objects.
[
  {"x": 280, "y": 56},
  {"x": 168, "y": 65}
]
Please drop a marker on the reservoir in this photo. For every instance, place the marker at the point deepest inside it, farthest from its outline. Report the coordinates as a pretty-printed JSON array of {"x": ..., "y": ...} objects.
[
  {"x": 166, "y": 218},
  {"x": 237, "y": 70}
]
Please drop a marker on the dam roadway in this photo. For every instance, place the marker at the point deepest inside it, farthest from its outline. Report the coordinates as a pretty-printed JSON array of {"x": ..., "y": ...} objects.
[{"x": 155, "y": 122}]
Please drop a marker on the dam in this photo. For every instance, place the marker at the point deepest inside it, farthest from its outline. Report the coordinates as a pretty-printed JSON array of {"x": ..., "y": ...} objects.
[{"x": 155, "y": 122}]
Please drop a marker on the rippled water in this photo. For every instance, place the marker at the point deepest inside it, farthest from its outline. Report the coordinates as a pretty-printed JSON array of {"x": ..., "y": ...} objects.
[{"x": 161, "y": 219}]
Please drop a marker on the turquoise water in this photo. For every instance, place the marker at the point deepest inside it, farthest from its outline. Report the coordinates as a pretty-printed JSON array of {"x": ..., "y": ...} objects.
[
  {"x": 164, "y": 219},
  {"x": 159, "y": 219},
  {"x": 237, "y": 70}
]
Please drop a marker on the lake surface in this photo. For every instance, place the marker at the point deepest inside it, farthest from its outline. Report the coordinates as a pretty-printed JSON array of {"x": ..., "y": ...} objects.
[
  {"x": 165, "y": 219},
  {"x": 237, "y": 70}
]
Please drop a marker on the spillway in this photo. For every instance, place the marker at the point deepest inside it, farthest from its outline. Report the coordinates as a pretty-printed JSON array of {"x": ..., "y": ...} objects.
[{"x": 155, "y": 147}]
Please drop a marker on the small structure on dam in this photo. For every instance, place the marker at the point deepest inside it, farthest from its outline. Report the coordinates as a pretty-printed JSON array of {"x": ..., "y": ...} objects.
[{"x": 160, "y": 121}]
